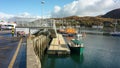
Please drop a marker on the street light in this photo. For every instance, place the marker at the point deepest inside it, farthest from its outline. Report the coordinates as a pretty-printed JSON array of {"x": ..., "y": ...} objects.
[{"x": 42, "y": 3}]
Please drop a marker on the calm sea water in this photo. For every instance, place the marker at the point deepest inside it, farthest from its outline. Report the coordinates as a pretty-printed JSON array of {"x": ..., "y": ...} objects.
[{"x": 100, "y": 52}]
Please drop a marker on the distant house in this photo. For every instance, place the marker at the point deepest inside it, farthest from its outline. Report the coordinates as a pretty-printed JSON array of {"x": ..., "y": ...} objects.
[
  {"x": 107, "y": 23},
  {"x": 96, "y": 26}
]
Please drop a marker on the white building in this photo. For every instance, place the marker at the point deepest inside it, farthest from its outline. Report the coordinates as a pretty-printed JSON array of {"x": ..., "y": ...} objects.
[{"x": 95, "y": 26}]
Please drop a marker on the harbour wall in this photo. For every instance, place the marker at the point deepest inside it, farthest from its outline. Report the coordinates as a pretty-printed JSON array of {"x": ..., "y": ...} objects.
[{"x": 36, "y": 47}]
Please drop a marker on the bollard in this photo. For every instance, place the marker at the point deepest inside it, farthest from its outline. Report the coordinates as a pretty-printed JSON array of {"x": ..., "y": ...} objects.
[{"x": 12, "y": 31}]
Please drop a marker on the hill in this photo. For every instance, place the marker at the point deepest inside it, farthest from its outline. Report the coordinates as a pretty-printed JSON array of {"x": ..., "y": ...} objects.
[{"x": 113, "y": 14}]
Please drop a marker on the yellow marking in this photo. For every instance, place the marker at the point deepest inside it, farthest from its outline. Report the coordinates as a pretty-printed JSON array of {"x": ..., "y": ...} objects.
[{"x": 15, "y": 55}]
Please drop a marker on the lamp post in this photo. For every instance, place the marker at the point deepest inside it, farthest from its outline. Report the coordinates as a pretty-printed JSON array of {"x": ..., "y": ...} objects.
[{"x": 42, "y": 3}]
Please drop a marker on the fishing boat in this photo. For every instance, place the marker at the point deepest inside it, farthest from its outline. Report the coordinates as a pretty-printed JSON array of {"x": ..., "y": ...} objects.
[
  {"x": 76, "y": 44},
  {"x": 69, "y": 31},
  {"x": 115, "y": 33}
]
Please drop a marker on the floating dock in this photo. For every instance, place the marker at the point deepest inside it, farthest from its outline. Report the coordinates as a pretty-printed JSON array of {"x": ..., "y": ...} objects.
[{"x": 58, "y": 46}]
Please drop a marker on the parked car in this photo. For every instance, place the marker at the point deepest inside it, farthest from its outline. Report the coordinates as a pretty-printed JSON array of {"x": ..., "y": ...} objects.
[
  {"x": 7, "y": 26},
  {"x": 21, "y": 34}
]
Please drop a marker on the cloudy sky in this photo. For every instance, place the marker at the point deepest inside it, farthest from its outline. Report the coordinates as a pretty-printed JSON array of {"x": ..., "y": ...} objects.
[{"x": 56, "y": 8}]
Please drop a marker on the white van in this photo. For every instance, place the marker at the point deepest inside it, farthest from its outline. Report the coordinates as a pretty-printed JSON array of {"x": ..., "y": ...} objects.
[{"x": 8, "y": 26}]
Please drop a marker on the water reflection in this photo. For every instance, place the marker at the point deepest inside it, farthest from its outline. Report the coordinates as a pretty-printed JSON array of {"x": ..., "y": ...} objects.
[
  {"x": 71, "y": 61},
  {"x": 78, "y": 59}
]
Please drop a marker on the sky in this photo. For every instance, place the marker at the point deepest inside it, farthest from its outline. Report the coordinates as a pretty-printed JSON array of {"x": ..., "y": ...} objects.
[{"x": 56, "y": 8}]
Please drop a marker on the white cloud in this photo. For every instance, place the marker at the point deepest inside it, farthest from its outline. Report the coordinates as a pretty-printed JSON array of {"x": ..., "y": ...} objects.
[
  {"x": 24, "y": 14},
  {"x": 57, "y": 9},
  {"x": 4, "y": 15},
  {"x": 20, "y": 16},
  {"x": 85, "y": 8}
]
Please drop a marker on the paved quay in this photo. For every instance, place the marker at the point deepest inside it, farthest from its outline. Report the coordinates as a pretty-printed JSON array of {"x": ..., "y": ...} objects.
[
  {"x": 5, "y": 31},
  {"x": 7, "y": 49},
  {"x": 32, "y": 59},
  {"x": 15, "y": 54}
]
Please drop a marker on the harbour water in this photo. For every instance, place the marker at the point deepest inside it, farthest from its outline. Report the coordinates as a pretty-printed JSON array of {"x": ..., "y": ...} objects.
[{"x": 100, "y": 52}]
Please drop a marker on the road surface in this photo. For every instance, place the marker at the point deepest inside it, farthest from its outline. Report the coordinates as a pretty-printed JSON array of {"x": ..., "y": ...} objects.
[{"x": 8, "y": 46}]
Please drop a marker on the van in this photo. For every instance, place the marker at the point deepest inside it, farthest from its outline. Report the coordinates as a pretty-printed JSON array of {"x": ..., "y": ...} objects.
[{"x": 7, "y": 26}]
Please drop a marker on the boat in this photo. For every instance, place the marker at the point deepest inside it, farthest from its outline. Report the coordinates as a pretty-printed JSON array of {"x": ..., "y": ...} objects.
[
  {"x": 115, "y": 33},
  {"x": 68, "y": 31},
  {"x": 76, "y": 44}
]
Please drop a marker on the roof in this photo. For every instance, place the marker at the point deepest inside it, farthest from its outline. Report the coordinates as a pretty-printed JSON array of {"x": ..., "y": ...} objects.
[{"x": 77, "y": 41}]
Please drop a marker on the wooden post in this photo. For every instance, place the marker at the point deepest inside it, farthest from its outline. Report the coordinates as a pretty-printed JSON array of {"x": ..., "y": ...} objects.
[{"x": 38, "y": 47}]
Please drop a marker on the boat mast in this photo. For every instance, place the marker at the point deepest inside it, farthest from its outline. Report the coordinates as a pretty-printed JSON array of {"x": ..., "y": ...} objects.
[
  {"x": 54, "y": 27},
  {"x": 115, "y": 26}
]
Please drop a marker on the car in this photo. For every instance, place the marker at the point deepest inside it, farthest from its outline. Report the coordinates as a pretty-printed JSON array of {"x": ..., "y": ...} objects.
[{"x": 21, "y": 34}]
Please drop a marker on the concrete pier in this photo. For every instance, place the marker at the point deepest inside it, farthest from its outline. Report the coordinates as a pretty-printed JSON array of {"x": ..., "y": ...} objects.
[
  {"x": 58, "y": 46},
  {"x": 35, "y": 50},
  {"x": 32, "y": 59}
]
